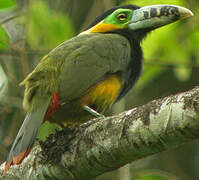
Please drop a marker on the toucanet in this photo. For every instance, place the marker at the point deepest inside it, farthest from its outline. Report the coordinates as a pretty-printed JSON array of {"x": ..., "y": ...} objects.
[{"x": 84, "y": 76}]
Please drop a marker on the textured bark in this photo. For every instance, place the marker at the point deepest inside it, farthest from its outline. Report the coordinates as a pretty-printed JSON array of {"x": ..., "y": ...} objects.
[{"x": 108, "y": 143}]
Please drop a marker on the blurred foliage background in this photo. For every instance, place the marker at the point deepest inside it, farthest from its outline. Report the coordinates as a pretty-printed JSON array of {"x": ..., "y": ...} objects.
[{"x": 29, "y": 29}]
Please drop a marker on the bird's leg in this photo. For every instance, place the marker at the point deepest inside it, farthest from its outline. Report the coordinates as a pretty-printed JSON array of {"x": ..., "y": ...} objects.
[{"x": 93, "y": 112}]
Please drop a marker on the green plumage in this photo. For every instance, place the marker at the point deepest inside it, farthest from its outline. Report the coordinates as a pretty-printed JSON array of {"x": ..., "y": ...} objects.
[{"x": 74, "y": 67}]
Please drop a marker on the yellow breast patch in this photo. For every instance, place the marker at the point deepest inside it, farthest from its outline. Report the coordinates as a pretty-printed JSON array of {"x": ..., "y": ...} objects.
[{"x": 103, "y": 94}]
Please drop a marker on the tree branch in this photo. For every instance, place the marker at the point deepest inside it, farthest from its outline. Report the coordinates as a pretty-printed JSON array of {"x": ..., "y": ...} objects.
[{"x": 109, "y": 143}]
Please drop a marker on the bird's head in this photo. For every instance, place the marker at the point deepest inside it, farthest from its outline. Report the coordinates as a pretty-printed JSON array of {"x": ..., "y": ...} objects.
[{"x": 135, "y": 20}]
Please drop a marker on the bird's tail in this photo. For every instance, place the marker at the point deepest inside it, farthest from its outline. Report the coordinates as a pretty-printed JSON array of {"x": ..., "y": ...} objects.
[{"x": 26, "y": 136}]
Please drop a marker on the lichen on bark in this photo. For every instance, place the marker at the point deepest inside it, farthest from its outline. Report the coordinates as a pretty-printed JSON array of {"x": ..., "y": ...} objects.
[{"x": 108, "y": 143}]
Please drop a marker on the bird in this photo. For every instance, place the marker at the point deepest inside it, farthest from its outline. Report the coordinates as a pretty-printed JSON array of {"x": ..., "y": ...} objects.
[{"x": 85, "y": 75}]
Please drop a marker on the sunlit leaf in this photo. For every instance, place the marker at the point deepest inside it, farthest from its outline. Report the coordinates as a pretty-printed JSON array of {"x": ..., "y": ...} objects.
[
  {"x": 3, "y": 39},
  {"x": 45, "y": 130},
  {"x": 159, "y": 175},
  {"x": 151, "y": 177},
  {"x": 6, "y": 4},
  {"x": 151, "y": 2}
]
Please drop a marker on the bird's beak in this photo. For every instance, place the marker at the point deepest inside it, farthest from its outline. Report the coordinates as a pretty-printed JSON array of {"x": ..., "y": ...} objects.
[{"x": 154, "y": 16}]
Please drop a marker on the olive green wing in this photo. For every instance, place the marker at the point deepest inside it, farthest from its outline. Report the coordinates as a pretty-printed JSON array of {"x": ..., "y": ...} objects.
[
  {"x": 75, "y": 66},
  {"x": 97, "y": 56}
]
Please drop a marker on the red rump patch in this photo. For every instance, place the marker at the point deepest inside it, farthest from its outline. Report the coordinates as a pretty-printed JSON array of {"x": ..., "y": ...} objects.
[{"x": 54, "y": 104}]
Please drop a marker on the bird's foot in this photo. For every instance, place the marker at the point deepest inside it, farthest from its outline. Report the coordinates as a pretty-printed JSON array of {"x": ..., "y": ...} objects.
[{"x": 93, "y": 112}]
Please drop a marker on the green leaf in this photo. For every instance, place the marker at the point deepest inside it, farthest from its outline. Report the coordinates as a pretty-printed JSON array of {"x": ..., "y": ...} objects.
[
  {"x": 45, "y": 28},
  {"x": 6, "y": 4},
  {"x": 3, "y": 39},
  {"x": 150, "y": 177},
  {"x": 151, "y": 2},
  {"x": 156, "y": 175},
  {"x": 46, "y": 129}
]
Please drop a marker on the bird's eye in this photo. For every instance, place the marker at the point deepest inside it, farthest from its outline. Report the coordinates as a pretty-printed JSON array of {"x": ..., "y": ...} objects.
[{"x": 122, "y": 16}]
